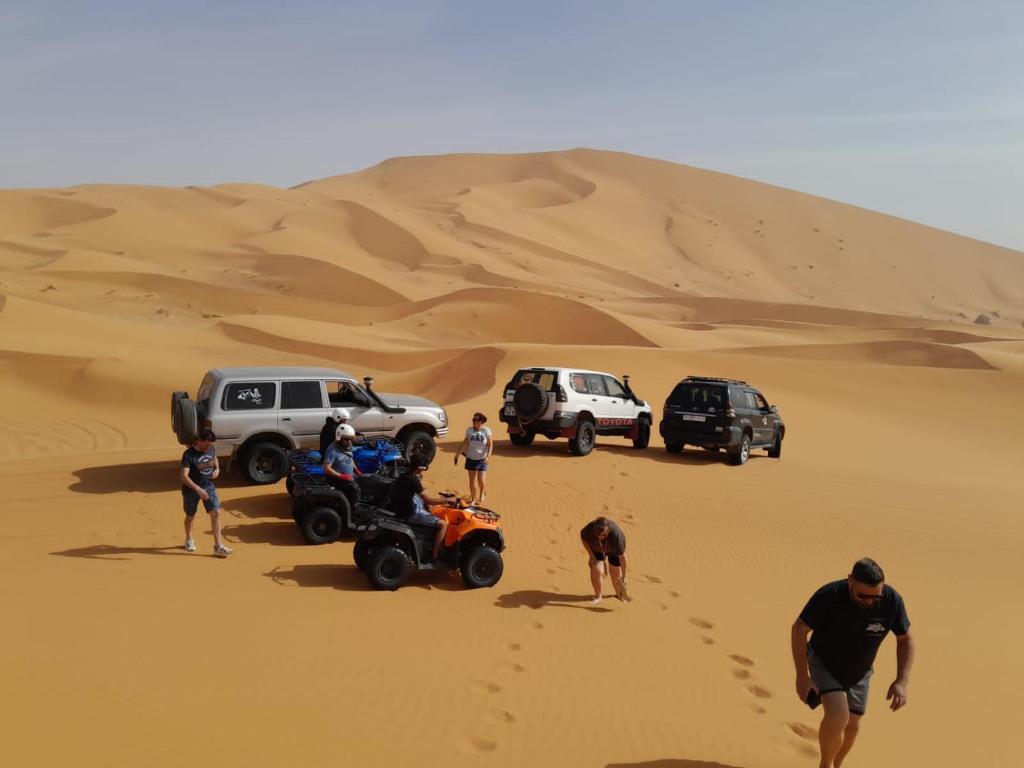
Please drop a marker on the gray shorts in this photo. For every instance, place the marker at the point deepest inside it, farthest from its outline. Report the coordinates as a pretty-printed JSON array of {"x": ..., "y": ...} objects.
[{"x": 824, "y": 682}]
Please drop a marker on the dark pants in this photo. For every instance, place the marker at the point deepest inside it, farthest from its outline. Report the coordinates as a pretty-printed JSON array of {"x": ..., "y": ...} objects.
[{"x": 349, "y": 488}]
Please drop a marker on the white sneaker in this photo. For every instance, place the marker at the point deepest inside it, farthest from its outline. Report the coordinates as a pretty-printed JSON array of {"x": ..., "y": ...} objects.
[
  {"x": 222, "y": 551},
  {"x": 190, "y": 546}
]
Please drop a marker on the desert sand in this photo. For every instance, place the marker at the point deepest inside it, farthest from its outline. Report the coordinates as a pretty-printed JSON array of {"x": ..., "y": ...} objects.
[{"x": 440, "y": 276}]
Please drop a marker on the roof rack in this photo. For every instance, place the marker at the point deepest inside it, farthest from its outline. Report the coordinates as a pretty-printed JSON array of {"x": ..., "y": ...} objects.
[{"x": 712, "y": 378}]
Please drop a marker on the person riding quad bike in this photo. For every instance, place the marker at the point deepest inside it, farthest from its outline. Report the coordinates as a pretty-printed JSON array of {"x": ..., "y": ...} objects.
[
  {"x": 328, "y": 432},
  {"x": 449, "y": 534}
]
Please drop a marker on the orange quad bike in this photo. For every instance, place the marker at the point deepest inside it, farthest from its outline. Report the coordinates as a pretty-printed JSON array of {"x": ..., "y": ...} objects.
[{"x": 391, "y": 549}]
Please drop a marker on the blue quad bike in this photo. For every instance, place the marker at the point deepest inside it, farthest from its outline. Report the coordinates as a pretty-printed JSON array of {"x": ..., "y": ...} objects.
[{"x": 373, "y": 456}]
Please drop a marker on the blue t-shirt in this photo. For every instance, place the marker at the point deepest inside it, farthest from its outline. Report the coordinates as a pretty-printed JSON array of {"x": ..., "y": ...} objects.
[
  {"x": 340, "y": 460},
  {"x": 201, "y": 465}
]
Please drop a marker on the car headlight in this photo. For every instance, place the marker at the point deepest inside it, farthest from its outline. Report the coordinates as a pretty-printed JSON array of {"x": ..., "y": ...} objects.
[{"x": 442, "y": 416}]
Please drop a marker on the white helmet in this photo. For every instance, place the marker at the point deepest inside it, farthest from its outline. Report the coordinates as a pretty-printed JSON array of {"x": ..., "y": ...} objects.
[
  {"x": 340, "y": 414},
  {"x": 344, "y": 432}
]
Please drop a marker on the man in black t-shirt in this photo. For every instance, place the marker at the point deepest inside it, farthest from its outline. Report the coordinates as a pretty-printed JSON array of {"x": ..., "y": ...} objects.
[
  {"x": 848, "y": 620},
  {"x": 409, "y": 502}
]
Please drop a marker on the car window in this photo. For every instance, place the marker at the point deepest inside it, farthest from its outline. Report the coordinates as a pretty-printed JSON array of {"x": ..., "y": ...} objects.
[
  {"x": 614, "y": 388},
  {"x": 749, "y": 400},
  {"x": 346, "y": 393},
  {"x": 205, "y": 389},
  {"x": 301, "y": 394},
  {"x": 543, "y": 379},
  {"x": 596, "y": 383},
  {"x": 579, "y": 383},
  {"x": 695, "y": 396},
  {"x": 759, "y": 402},
  {"x": 249, "y": 396}
]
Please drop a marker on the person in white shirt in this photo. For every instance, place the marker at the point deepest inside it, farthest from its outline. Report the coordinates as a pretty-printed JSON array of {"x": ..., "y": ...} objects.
[{"x": 476, "y": 446}]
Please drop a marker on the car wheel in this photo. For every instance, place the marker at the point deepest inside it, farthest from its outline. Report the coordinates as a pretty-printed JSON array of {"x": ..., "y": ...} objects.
[
  {"x": 387, "y": 568},
  {"x": 265, "y": 463},
  {"x": 481, "y": 567},
  {"x": 585, "y": 440},
  {"x": 521, "y": 438},
  {"x": 742, "y": 453},
  {"x": 674, "y": 447},
  {"x": 359, "y": 553},
  {"x": 187, "y": 421},
  {"x": 419, "y": 443},
  {"x": 775, "y": 451},
  {"x": 175, "y": 397},
  {"x": 321, "y": 525},
  {"x": 643, "y": 435}
]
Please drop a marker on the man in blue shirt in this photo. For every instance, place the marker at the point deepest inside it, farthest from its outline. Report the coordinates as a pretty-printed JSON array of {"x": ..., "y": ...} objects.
[
  {"x": 199, "y": 468},
  {"x": 339, "y": 465}
]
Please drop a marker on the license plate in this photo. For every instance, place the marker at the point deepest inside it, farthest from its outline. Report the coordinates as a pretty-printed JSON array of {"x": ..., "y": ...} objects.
[
  {"x": 510, "y": 410},
  {"x": 692, "y": 417}
]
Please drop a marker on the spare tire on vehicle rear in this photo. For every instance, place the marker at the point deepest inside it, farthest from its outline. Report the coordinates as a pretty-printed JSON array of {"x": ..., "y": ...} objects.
[
  {"x": 530, "y": 401},
  {"x": 186, "y": 421},
  {"x": 175, "y": 397}
]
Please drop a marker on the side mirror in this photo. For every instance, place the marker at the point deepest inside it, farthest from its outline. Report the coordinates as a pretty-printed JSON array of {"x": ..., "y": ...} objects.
[{"x": 774, "y": 409}]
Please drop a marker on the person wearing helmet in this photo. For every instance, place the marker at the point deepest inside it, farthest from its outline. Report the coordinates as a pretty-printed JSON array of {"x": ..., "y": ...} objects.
[
  {"x": 339, "y": 466},
  {"x": 335, "y": 418}
]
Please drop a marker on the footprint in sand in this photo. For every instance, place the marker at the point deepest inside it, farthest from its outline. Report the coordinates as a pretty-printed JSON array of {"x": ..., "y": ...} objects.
[
  {"x": 550, "y": 571},
  {"x": 488, "y": 686},
  {"x": 701, "y": 623},
  {"x": 515, "y": 666},
  {"x": 482, "y": 743},
  {"x": 741, "y": 674},
  {"x": 673, "y": 593},
  {"x": 707, "y": 640},
  {"x": 758, "y": 709},
  {"x": 552, "y": 541},
  {"x": 503, "y": 716},
  {"x": 514, "y": 646},
  {"x": 741, "y": 660},
  {"x": 652, "y": 579},
  {"x": 759, "y": 691},
  {"x": 537, "y": 625},
  {"x": 803, "y": 731}
]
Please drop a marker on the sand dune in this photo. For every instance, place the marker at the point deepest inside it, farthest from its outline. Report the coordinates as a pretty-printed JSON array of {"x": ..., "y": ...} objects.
[{"x": 441, "y": 276}]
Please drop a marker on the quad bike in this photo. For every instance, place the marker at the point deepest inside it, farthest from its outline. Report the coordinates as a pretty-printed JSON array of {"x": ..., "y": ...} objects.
[
  {"x": 323, "y": 512},
  {"x": 389, "y": 550},
  {"x": 372, "y": 456}
]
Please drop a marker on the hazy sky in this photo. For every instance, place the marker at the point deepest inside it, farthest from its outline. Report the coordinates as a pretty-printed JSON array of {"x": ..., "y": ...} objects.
[{"x": 911, "y": 108}]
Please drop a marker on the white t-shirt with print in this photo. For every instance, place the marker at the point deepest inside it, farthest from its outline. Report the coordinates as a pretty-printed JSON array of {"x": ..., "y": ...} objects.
[{"x": 477, "y": 442}]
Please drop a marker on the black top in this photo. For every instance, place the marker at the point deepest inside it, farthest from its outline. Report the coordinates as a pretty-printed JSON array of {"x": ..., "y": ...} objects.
[
  {"x": 328, "y": 434},
  {"x": 846, "y": 636},
  {"x": 615, "y": 544},
  {"x": 403, "y": 491},
  {"x": 200, "y": 465}
]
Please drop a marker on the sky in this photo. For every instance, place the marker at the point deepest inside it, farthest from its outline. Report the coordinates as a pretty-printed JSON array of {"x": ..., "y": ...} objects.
[{"x": 910, "y": 107}]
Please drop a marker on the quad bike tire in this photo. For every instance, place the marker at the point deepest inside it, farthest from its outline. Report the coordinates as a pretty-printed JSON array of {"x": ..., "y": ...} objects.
[
  {"x": 388, "y": 568},
  {"x": 481, "y": 567},
  {"x": 530, "y": 401},
  {"x": 321, "y": 525},
  {"x": 359, "y": 553}
]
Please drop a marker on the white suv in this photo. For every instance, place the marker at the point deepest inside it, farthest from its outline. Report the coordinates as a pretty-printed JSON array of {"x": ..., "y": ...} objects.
[
  {"x": 259, "y": 413},
  {"x": 573, "y": 403}
]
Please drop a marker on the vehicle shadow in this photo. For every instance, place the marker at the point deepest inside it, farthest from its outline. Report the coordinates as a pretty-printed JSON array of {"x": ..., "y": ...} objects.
[
  {"x": 111, "y": 552},
  {"x": 536, "y": 598},
  {"x": 671, "y": 763},
  {"x": 276, "y": 505},
  {"x": 278, "y": 534},
  {"x": 346, "y": 577},
  {"x": 142, "y": 477},
  {"x": 559, "y": 448}
]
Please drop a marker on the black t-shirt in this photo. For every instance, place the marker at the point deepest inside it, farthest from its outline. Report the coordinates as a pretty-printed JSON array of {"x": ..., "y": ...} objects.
[
  {"x": 846, "y": 636},
  {"x": 615, "y": 544},
  {"x": 328, "y": 434},
  {"x": 201, "y": 465},
  {"x": 403, "y": 490}
]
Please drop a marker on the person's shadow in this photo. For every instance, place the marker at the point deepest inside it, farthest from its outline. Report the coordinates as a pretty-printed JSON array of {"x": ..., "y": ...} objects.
[
  {"x": 141, "y": 477},
  {"x": 537, "y": 598},
  {"x": 111, "y": 552}
]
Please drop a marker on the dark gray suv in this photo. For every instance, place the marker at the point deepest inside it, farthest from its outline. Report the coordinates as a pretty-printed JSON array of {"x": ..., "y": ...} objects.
[{"x": 721, "y": 413}]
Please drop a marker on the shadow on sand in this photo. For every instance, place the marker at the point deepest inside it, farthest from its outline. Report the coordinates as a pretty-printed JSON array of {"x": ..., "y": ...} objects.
[
  {"x": 143, "y": 477},
  {"x": 560, "y": 449},
  {"x": 111, "y": 552},
  {"x": 346, "y": 577},
  {"x": 536, "y": 598},
  {"x": 671, "y": 763}
]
